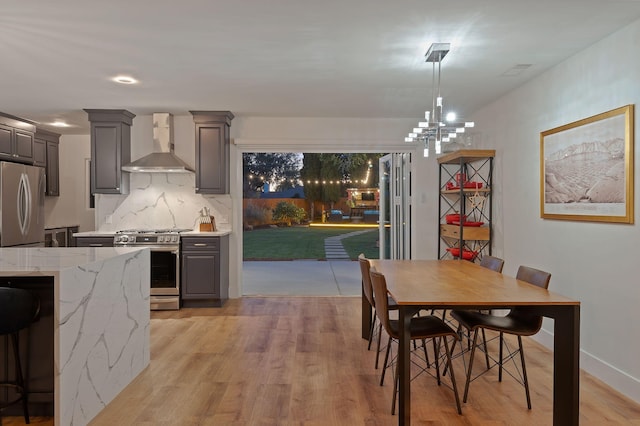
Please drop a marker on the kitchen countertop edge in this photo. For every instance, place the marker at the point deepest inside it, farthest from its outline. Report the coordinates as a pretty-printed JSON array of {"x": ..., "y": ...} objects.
[{"x": 188, "y": 234}]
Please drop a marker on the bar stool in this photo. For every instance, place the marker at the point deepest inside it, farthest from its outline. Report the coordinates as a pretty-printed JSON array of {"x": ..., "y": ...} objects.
[{"x": 18, "y": 309}]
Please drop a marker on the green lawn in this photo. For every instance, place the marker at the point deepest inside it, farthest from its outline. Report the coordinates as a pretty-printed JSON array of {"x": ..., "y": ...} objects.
[{"x": 304, "y": 243}]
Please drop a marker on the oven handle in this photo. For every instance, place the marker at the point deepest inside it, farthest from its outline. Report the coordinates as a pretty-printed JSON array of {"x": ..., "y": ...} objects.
[{"x": 172, "y": 249}]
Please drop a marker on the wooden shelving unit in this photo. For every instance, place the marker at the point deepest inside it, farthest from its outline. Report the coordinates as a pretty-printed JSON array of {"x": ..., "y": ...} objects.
[{"x": 472, "y": 204}]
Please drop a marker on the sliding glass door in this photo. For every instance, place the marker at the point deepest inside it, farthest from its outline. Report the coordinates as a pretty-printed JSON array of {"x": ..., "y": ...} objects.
[{"x": 395, "y": 206}]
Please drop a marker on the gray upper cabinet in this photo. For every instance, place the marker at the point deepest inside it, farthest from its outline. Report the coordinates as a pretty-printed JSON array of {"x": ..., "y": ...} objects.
[
  {"x": 212, "y": 151},
  {"x": 45, "y": 154},
  {"x": 16, "y": 139},
  {"x": 110, "y": 149},
  {"x": 39, "y": 152}
]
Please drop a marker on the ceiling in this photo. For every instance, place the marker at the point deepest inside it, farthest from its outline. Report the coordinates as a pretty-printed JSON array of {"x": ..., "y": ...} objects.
[{"x": 282, "y": 58}]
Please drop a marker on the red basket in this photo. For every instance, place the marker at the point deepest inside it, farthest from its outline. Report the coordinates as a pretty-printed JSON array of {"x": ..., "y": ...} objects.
[
  {"x": 454, "y": 217},
  {"x": 466, "y": 254}
]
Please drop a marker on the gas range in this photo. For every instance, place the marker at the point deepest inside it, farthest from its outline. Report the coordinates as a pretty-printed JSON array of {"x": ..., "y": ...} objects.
[
  {"x": 148, "y": 237},
  {"x": 164, "y": 245}
]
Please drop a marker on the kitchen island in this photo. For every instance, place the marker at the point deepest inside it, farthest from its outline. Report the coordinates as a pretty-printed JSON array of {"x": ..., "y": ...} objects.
[{"x": 97, "y": 310}]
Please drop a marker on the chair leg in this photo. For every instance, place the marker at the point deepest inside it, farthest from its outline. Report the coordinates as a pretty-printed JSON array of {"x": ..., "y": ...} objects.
[
  {"x": 524, "y": 373},
  {"x": 371, "y": 328},
  {"x": 453, "y": 347},
  {"x": 453, "y": 376},
  {"x": 486, "y": 349},
  {"x": 436, "y": 354},
  {"x": 473, "y": 351},
  {"x": 386, "y": 360},
  {"x": 426, "y": 354},
  {"x": 500, "y": 365},
  {"x": 19, "y": 377},
  {"x": 395, "y": 389},
  {"x": 378, "y": 347}
]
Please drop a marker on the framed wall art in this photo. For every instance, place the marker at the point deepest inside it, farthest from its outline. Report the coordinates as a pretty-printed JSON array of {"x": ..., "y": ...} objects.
[{"x": 586, "y": 169}]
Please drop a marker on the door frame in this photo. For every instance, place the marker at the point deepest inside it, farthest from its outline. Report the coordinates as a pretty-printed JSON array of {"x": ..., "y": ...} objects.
[{"x": 240, "y": 146}]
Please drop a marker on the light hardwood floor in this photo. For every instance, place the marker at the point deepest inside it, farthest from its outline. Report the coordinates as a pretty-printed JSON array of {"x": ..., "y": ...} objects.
[{"x": 300, "y": 361}]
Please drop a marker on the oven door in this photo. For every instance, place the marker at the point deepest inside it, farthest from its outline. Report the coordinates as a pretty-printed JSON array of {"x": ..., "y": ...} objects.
[{"x": 165, "y": 277}]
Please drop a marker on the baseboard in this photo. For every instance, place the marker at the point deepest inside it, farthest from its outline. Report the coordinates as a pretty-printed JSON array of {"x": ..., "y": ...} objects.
[{"x": 619, "y": 380}]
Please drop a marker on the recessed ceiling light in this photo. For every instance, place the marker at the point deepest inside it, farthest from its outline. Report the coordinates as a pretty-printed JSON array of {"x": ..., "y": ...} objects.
[
  {"x": 124, "y": 79},
  {"x": 59, "y": 123}
]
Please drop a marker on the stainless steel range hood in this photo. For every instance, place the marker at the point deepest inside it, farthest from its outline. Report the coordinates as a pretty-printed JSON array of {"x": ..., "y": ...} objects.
[{"x": 162, "y": 160}]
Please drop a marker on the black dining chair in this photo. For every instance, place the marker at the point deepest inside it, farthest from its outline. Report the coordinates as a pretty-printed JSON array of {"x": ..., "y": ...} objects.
[
  {"x": 495, "y": 264},
  {"x": 367, "y": 289},
  {"x": 421, "y": 328},
  {"x": 18, "y": 309},
  {"x": 519, "y": 322}
]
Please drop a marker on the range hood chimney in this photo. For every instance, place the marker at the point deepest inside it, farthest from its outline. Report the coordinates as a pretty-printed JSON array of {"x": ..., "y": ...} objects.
[{"x": 162, "y": 159}]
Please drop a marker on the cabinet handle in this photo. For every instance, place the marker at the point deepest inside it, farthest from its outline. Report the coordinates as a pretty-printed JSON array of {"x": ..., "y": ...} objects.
[
  {"x": 95, "y": 245},
  {"x": 200, "y": 244}
]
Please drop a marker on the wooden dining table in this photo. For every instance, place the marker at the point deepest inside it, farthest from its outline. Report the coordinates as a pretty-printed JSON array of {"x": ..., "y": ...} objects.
[{"x": 459, "y": 284}]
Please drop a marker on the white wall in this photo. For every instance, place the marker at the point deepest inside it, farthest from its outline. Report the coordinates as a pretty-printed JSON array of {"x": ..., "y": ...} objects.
[
  {"x": 596, "y": 263},
  {"x": 71, "y": 207}
]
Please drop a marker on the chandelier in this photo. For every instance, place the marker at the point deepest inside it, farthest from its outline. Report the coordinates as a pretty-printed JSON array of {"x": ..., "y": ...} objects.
[{"x": 437, "y": 129}]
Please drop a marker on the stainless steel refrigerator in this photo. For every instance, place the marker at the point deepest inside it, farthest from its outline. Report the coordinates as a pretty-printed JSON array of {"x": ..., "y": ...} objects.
[{"x": 21, "y": 205}]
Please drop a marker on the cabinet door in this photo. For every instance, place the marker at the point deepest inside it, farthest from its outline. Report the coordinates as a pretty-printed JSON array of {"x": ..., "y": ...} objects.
[
  {"x": 6, "y": 139},
  {"x": 24, "y": 145},
  {"x": 212, "y": 159},
  {"x": 200, "y": 272},
  {"x": 110, "y": 149},
  {"x": 39, "y": 152},
  {"x": 106, "y": 151},
  {"x": 53, "y": 175}
]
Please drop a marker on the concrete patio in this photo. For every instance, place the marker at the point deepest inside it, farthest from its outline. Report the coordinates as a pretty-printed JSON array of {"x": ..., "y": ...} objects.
[{"x": 301, "y": 278}]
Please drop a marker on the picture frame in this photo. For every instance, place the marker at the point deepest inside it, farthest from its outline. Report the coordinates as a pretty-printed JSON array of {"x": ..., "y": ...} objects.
[{"x": 586, "y": 169}]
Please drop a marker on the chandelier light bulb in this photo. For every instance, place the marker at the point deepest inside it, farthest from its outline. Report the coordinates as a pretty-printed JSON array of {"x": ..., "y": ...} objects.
[
  {"x": 459, "y": 129},
  {"x": 417, "y": 130},
  {"x": 438, "y": 147},
  {"x": 451, "y": 116},
  {"x": 469, "y": 124},
  {"x": 407, "y": 139},
  {"x": 426, "y": 152},
  {"x": 439, "y": 101},
  {"x": 423, "y": 124}
]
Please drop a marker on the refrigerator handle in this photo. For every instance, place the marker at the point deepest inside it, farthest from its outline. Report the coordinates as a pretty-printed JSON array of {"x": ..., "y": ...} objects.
[{"x": 24, "y": 204}]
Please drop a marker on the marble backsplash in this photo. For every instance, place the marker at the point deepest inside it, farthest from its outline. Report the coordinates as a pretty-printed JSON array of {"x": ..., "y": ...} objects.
[{"x": 160, "y": 200}]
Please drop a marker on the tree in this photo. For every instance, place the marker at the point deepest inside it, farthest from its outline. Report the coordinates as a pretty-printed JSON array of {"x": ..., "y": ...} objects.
[{"x": 278, "y": 167}]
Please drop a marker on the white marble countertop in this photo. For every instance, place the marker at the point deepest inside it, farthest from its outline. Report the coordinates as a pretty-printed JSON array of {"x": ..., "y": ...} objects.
[
  {"x": 206, "y": 234},
  {"x": 100, "y": 321},
  {"x": 49, "y": 260},
  {"x": 94, "y": 234}
]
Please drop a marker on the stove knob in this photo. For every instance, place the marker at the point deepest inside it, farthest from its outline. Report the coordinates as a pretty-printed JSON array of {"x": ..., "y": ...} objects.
[
  {"x": 116, "y": 239},
  {"x": 124, "y": 238},
  {"x": 160, "y": 238},
  {"x": 175, "y": 239}
]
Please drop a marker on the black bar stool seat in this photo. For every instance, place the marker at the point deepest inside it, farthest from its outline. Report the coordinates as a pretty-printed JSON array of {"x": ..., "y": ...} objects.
[{"x": 18, "y": 309}]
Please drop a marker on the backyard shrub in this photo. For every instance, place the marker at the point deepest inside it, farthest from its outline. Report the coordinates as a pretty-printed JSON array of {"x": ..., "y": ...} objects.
[
  {"x": 288, "y": 212},
  {"x": 256, "y": 214}
]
